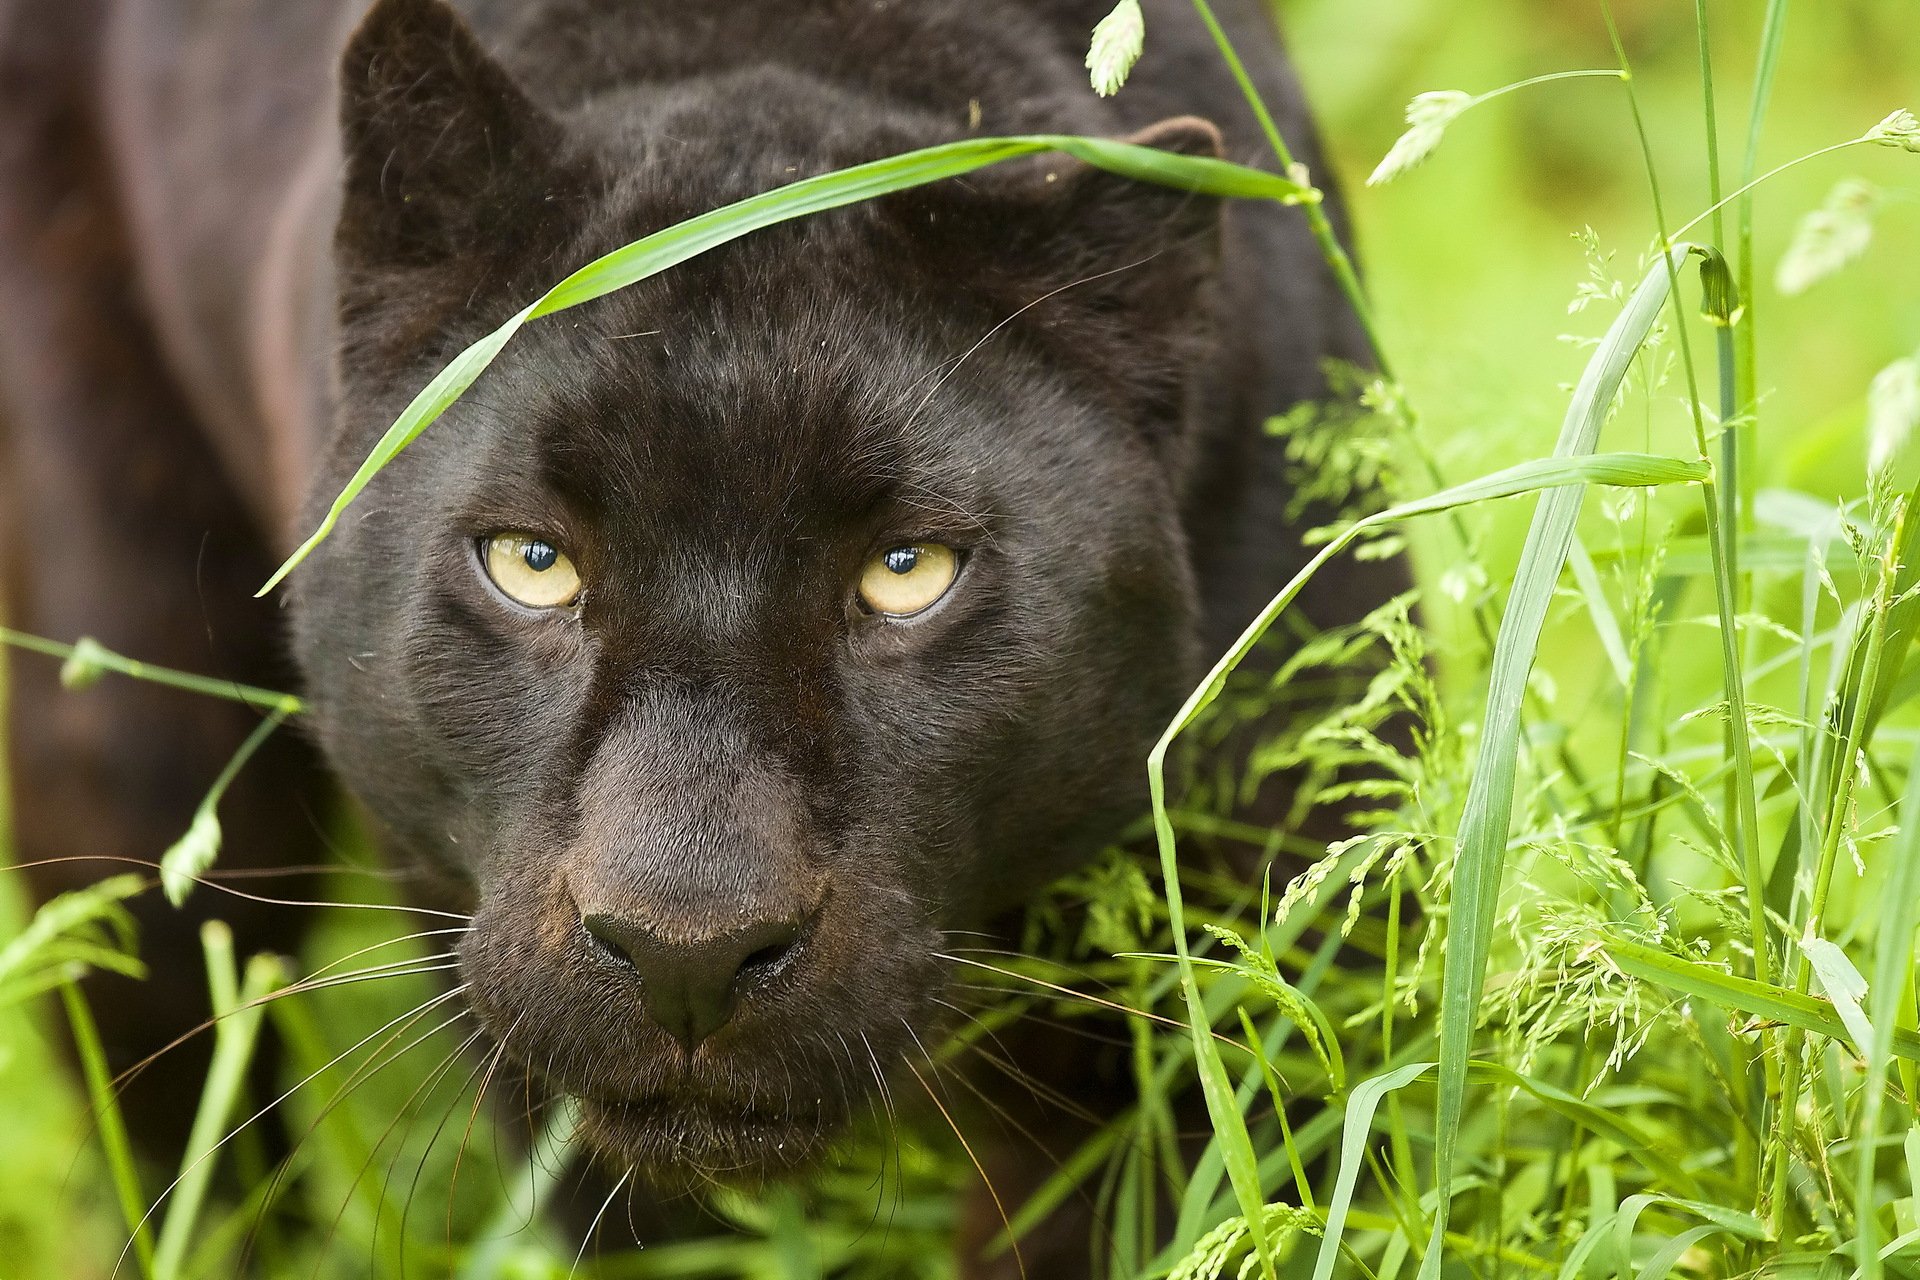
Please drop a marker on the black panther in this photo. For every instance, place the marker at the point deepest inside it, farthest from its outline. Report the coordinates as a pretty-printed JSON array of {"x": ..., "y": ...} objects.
[{"x": 740, "y": 637}]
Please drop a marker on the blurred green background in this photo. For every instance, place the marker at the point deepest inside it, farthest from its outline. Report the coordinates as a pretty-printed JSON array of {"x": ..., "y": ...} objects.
[{"x": 1472, "y": 260}]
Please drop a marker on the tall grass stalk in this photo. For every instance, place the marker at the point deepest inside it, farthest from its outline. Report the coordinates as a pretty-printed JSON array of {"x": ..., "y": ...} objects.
[
  {"x": 1892, "y": 977},
  {"x": 1772, "y": 39},
  {"x": 237, "y": 1004},
  {"x": 111, "y": 1124},
  {"x": 86, "y": 661},
  {"x": 1721, "y": 537}
]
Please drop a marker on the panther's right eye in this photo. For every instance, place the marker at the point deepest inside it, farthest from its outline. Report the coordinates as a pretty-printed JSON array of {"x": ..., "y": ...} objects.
[
  {"x": 530, "y": 570},
  {"x": 902, "y": 581}
]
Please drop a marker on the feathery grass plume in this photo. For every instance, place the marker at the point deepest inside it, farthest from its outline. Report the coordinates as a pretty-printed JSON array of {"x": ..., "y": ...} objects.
[
  {"x": 1210, "y": 1255},
  {"x": 1117, "y": 41},
  {"x": 189, "y": 857},
  {"x": 1830, "y": 237},
  {"x": 1254, "y": 965},
  {"x": 1899, "y": 129},
  {"x": 1893, "y": 411},
  {"x": 88, "y": 928},
  {"x": 1564, "y": 986},
  {"x": 1428, "y": 116},
  {"x": 1345, "y": 452}
]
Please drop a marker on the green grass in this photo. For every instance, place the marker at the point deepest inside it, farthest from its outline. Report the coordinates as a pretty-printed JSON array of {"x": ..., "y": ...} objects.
[{"x": 1615, "y": 972}]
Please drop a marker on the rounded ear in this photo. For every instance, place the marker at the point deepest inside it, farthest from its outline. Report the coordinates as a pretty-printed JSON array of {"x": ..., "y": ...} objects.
[
  {"x": 1145, "y": 241},
  {"x": 445, "y": 154},
  {"x": 1118, "y": 270}
]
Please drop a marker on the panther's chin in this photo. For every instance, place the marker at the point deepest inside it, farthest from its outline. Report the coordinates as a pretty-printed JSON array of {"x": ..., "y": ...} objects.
[{"x": 683, "y": 1142}]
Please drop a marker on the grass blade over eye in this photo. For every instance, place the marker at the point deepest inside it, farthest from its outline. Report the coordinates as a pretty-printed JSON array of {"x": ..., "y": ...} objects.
[{"x": 655, "y": 253}]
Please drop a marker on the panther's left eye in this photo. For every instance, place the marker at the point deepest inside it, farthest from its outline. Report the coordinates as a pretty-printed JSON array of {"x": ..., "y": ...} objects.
[
  {"x": 904, "y": 580},
  {"x": 530, "y": 570}
]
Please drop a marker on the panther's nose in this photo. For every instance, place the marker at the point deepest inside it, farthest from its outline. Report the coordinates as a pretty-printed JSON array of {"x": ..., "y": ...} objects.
[{"x": 690, "y": 987}]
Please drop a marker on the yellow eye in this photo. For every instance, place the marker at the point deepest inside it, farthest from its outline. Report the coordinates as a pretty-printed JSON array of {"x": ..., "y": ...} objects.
[
  {"x": 904, "y": 580},
  {"x": 531, "y": 570}
]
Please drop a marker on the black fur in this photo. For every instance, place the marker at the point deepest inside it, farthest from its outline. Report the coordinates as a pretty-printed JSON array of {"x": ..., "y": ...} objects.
[{"x": 1060, "y": 373}]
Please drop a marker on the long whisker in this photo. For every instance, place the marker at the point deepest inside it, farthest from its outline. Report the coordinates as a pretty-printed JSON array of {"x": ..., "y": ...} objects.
[
  {"x": 988, "y": 336},
  {"x": 149, "y": 864},
  {"x": 393, "y": 942},
  {"x": 408, "y": 1112},
  {"x": 1038, "y": 1007},
  {"x": 893, "y": 1146},
  {"x": 231, "y": 1133},
  {"x": 1037, "y": 1088},
  {"x": 360, "y": 1075},
  {"x": 1002, "y": 1114},
  {"x": 120, "y": 1083},
  {"x": 424, "y": 966},
  {"x": 978, "y": 1167},
  {"x": 536, "y": 1160},
  {"x": 217, "y": 874},
  {"x": 453, "y": 1182},
  {"x": 1081, "y": 995},
  {"x": 593, "y": 1227},
  {"x": 367, "y": 1072},
  {"x": 426, "y": 1150}
]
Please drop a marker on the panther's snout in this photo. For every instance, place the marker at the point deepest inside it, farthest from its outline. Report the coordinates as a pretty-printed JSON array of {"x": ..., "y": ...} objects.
[
  {"x": 726, "y": 1032},
  {"x": 707, "y": 954},
  {"x": 690, "y": 982}
]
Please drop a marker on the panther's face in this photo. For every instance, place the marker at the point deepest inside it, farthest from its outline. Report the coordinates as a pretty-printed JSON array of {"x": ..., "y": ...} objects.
[{"x": 742, "y": 635}]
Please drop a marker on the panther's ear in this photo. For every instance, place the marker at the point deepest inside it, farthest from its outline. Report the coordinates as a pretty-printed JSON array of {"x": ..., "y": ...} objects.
[
  {"x": 445, "y": 154},
  {"x": 1130, "y": 243},
  {"x": 1105, "y": 213},
  {"x": 1117, "y": 270}
]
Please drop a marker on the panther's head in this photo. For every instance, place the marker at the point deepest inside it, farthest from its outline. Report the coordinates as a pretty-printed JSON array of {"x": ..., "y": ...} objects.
[{"x": 743, "y": 634}]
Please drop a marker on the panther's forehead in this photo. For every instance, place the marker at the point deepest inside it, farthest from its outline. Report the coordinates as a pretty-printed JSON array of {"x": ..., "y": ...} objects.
[{"x": 742, "y": 400}]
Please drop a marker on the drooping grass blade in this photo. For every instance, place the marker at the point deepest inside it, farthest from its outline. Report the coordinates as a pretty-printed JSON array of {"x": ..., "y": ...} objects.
[{"x": 653, "y": 254}]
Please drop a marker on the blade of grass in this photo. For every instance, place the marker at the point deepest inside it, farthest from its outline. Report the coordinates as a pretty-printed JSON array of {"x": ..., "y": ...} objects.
[
  {"x": 1844, "y": 988},
  {"x": 655, "y": 253},
  {"x": 239, "y": 1006},
  {"x": 1361, "y": 1105},
  {"x": 1550, "y": 473},
  {"x": 1892, "y": 969},
  {"x": 1481, "y": 850},
  {"x": 113, "y": 1126},
  {"x": 1662, "y": 1263},
  {"x": 1764, "y": 1000}
]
